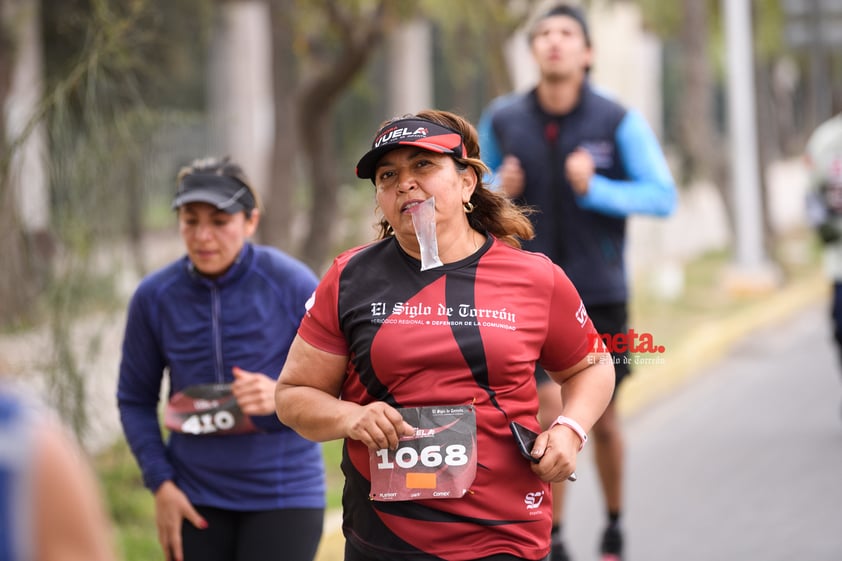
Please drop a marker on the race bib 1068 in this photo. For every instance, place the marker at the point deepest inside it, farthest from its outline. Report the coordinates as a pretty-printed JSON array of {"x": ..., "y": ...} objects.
[{"x": 438, "y": 462}]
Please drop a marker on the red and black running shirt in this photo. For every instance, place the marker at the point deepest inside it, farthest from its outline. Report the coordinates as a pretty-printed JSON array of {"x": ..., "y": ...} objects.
[{"x": 468, "y": 332}]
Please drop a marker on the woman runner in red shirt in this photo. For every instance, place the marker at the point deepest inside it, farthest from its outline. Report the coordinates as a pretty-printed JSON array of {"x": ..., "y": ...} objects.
[{"x": 419, "y": 350}]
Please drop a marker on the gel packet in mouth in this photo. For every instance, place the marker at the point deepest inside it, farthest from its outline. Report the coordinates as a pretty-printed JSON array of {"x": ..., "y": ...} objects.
[{"x": 424, "y": 221}]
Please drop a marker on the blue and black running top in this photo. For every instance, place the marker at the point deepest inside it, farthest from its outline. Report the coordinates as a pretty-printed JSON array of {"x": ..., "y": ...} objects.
[{"x": 585, "y": 235}]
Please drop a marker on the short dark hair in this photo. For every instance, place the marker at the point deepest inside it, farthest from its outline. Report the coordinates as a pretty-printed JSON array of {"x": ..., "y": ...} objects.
[{"x": 567, "y": 10}]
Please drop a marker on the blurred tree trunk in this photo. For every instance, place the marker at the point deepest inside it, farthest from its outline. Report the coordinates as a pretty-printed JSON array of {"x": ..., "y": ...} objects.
[
  {"x": 310, "y": 73},
  {"x": 17, "y": 274},
  {"x": 319, "y": 47},
  {"x": 702, "y": 144},
  {"x": 461, "y": 78},
  {"x": 316, "y": 98},
  {"x": 498, "y": 74},
  {"x": 277, "y": 227},
  {"x": 134, "y": 215}
]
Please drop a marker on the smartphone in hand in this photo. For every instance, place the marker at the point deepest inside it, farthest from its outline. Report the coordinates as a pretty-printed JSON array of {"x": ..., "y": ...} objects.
[{"x": 525, "y": 440}]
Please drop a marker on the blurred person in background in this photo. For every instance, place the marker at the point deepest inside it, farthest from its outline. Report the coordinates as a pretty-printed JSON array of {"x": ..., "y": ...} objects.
[
  {"x": 51, "y": 507},
  {"x": 231, "y": 482},
  {"x": 823, "y": 155},
  {"x": 585, "y": 163},
  {"x": 419, "y": 350}
]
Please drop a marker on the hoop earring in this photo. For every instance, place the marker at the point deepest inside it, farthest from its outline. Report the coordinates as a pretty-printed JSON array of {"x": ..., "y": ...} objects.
[{"x": 468, "y": 207}]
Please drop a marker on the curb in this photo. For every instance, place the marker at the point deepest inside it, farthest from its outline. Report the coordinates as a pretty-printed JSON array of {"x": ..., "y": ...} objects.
[{"x": 709, "y": 342}]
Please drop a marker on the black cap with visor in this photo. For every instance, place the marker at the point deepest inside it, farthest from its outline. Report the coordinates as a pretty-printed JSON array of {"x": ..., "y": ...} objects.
[{"x": 224, "y": 192}]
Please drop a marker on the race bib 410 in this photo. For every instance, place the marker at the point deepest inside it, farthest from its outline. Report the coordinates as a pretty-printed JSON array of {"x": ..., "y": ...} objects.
[
  {"x": 438, "y": 462},
  {"x": 206, "y": 409}
]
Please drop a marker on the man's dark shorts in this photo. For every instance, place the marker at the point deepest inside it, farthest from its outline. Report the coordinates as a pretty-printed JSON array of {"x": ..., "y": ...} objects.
[{"x": 607, "y": 319}]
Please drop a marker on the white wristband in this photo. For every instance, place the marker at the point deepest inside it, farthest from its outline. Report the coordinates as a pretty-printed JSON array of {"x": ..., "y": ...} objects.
[{"x": 574, "y": 426}]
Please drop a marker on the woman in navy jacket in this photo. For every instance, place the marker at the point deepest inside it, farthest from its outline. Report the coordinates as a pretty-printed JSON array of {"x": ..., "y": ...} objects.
[{"x": 231, "y": 481}]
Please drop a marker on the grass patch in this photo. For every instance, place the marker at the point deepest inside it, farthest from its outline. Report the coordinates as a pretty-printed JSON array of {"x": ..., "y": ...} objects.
[
  {"x": 332, "y": 453},
  {"x": 130, "y": 505},
  {"x": 132, "y": 508}
]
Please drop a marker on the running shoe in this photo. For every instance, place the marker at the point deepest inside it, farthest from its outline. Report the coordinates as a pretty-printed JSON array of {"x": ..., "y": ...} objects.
[{"x": 611, "y": 547}]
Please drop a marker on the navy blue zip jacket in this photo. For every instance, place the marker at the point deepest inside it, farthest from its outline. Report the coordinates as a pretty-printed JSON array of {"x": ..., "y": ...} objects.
[
  {"x": 585, "y": 235},
  {"x": 198, "y": 329}
]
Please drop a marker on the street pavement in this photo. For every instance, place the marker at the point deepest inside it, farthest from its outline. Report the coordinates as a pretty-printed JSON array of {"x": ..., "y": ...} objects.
[{"x": 742, "y": 462}]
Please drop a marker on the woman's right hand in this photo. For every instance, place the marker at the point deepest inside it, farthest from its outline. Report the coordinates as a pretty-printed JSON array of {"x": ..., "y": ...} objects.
[
  {"x": 171, "y": 507},
  {"x": 378, "y": 425}
]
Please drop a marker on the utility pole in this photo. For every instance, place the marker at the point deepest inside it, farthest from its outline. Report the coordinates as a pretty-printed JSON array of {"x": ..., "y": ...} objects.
[
  {"x": 751, "y": 271},
  {"x": 241, "y": 92},
  {"x": 410, "y": 68}
]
